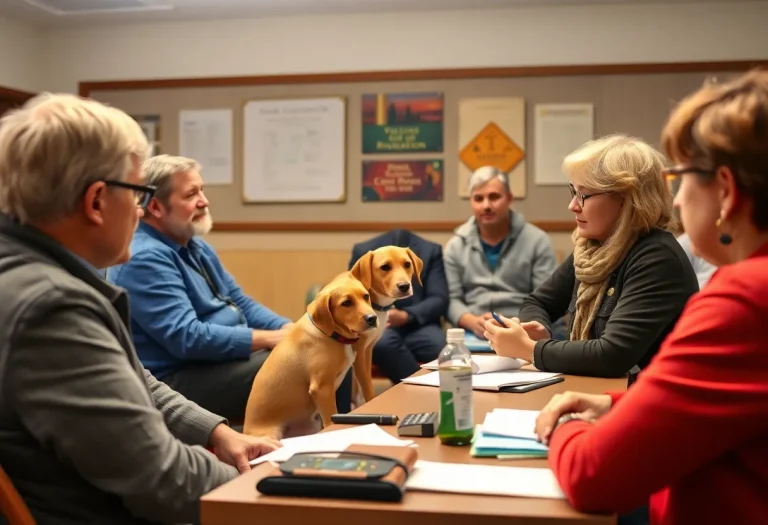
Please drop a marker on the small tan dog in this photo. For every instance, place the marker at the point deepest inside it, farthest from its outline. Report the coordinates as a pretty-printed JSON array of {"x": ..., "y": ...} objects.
[
  {"x": 387, "y": 273},
  {"x": 302, "y": 373}
]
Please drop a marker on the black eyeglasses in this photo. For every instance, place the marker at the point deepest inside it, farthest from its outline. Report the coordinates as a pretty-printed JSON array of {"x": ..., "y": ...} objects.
[
  {"x": 581, "y": 197},
  {"x": 674, "y": 176},
  {"x": 143, "y": 193}
]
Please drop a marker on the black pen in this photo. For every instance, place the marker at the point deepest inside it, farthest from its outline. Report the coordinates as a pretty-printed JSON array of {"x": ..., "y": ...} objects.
[{"x": 364, "y": 419}]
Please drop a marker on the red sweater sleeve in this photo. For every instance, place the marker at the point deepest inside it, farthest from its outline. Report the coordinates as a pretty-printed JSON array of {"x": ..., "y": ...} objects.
[{"x": 705, "y": 392}]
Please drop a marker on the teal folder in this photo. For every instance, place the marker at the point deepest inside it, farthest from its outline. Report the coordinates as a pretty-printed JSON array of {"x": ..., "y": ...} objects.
[
  {"x": 474, "y": 344},
  {"x": 490, "y": 446}
]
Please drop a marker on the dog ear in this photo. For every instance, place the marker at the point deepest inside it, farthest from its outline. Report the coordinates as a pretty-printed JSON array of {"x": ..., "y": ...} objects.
[
  {"x": 320, "y": 312},
  {"x": 417, "y": 263},
  {"x": 363, "y": 270}
]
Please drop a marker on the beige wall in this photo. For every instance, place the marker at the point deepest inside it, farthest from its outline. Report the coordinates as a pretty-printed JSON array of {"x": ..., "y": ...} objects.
[
  {"x": 23, "y": 56},
  {"x": 535, "y": 35},
  {"x": 277, "y": 269}
]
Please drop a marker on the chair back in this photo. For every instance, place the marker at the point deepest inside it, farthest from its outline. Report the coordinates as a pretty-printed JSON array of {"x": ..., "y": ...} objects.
[{"x": 12, "y": 506}]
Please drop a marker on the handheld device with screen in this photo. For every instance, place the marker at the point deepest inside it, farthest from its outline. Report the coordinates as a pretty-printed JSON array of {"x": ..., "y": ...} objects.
[{"x": 318, "y": 465}]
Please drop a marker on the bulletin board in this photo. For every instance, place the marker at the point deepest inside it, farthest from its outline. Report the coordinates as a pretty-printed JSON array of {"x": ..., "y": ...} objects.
[{"x": 634, "y": 99}]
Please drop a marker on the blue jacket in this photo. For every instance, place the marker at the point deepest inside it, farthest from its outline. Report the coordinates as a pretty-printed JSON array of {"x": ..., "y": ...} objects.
[
  {"x": 430, "y": 302},
  {"x": 176, "y": 316}
]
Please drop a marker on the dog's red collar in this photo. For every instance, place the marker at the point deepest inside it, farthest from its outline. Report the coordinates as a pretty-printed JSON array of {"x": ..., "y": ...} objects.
[
  {"x": 335, "y": 335},
  {"x": 346, "y": 340}
]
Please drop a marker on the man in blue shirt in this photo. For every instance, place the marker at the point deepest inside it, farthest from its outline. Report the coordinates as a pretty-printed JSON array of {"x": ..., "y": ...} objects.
[{"x": 192, "y": 325}]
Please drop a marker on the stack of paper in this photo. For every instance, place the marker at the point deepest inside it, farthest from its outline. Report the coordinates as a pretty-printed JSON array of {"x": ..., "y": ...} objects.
[
  {"x": 484, "y": 479},
  {"x": 508, "y": 434},
  {"x": 333, "y": 441},
  {"x": 493, "y": 381},
  {"x": 483, "y": 364}
]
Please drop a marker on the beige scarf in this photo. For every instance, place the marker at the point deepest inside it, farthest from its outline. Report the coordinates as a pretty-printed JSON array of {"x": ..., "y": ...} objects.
[{"x": 594, "y": 262}]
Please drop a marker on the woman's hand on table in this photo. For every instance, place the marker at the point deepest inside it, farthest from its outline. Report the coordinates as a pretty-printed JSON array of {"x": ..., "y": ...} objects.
[{"x": 589, "y": 407}]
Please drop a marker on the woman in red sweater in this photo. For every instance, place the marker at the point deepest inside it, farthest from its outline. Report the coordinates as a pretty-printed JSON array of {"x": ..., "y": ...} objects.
[{"x": 692, "y": 433}]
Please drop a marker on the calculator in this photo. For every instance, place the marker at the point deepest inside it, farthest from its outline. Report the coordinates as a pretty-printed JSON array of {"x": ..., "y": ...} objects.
[{"x": 418, "y": 425}]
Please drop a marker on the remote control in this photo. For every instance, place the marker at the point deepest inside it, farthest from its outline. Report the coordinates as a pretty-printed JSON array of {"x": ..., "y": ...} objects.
[{"x": 419, "y": 425}]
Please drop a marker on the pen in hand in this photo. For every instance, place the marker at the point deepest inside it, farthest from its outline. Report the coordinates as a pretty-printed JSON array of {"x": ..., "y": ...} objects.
[{"x": 498, "y": 320}]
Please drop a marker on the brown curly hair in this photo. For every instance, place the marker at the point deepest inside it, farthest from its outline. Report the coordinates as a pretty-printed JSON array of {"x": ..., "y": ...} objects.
[{"x": 726, "y": 124}]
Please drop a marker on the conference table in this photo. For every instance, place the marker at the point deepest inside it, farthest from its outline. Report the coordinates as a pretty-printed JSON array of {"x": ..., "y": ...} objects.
[{"x": 239, "y": 502}]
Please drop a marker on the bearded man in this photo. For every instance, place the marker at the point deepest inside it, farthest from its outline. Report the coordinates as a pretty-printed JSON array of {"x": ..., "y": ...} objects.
[{"x": 193, "y": 327}]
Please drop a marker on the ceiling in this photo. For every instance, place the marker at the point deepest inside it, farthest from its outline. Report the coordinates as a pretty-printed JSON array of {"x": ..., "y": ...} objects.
[{"x": 85, "y": 12}]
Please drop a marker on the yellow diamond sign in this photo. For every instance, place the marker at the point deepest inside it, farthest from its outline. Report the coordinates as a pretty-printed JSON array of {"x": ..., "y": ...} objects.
[{"x": 491, "y": 147}]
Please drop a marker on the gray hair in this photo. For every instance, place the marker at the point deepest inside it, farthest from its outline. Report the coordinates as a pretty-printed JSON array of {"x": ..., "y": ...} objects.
[
  {"x": 484, "y": 175},
  {"x": 55, "y": 146},
  {"x": 159, "y": 172}
]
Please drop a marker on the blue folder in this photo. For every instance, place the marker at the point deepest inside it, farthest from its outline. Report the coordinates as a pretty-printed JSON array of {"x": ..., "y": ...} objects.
[
  {"x": 490, "y": 445},
  {"x": 477, "y": 345}
]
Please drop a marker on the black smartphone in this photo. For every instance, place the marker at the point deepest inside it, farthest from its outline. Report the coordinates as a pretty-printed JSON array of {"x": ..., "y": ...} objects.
[
  {"x": 321, "y": 466},
  {"x": 519, "y": 389}
]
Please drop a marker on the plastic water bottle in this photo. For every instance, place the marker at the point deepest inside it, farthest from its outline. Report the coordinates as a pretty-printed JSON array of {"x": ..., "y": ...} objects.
[{"x": 457, "y": 420}]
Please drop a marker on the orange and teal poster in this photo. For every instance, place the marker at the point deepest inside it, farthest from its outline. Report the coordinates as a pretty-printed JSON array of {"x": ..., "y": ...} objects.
[
  {"x": 402, "y": 122},
  {"x": 402, "y": 180}
]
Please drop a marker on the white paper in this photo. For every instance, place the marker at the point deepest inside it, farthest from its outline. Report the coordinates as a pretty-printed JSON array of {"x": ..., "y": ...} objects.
[
  {"x": 483, "y": 364},
  {"x": 333, "y": 441},
  {"x": 484, "y": 479},
  {"x": 559, "y": 130},
  {"x": 490, "y": 381},
  {"x": 511, "y": 423},
  {"x": 295, "y": 150},
  {"x": 206, "y": 136}
]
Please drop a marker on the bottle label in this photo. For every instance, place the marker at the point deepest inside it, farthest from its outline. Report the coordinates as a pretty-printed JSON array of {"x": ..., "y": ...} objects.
[{"x": 456, "y": 397}]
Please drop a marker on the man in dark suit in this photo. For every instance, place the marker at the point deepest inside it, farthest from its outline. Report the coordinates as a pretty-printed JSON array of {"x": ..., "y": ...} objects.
[{"x": 414, "y": 334}]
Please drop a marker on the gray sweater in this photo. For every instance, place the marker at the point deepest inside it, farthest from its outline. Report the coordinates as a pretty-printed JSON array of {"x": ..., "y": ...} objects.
[
  {"x": 86, "y": 434},
  {"x": 527, "y": 259}
]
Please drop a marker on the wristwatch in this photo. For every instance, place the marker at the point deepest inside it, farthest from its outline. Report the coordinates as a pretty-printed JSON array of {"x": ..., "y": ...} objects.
[{"x": 565, "y": 418}]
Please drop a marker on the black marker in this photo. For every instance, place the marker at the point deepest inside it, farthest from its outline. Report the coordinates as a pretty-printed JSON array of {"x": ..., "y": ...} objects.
[{"x": 364, "y": 419}]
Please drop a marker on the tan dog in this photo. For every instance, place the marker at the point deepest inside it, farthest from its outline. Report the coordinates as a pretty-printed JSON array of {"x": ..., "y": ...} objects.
[
  {"x": 302, "y": 373},
  {"x": 387, "y": 273}
]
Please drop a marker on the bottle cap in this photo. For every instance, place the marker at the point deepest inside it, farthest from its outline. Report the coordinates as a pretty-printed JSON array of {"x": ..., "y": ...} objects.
[{"x": 455, "y": 335}]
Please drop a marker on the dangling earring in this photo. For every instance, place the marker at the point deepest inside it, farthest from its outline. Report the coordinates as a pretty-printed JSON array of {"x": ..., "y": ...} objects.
[{"x": 724, "y": 237}]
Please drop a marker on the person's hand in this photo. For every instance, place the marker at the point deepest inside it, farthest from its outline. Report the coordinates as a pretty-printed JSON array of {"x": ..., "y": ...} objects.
[
  {"x": 396, "y": 317},
  {"x": 267, "y": 339},
  {"x": 536, "y": 331},
  {"x": 510, "y": 340},
  {"x": 473, "y": 323},
  {"x": 236, "y": 449},
  {"x": 589, "y": 407}
]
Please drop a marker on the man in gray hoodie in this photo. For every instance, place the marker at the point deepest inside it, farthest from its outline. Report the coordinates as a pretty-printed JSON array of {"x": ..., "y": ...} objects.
[{"x": 495, "y": 259}]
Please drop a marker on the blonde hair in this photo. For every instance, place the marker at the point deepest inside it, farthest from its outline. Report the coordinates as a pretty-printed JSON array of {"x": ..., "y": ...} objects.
[
  {"x": 159, "y": 171},
  {"x": 726, "y": 125},
  {"x": 629, "y": 167},
  {"x": 55, "y": 146}
]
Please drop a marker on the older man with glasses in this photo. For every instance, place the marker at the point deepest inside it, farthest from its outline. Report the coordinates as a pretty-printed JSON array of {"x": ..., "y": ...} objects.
[{"x": 87, "y": 435}]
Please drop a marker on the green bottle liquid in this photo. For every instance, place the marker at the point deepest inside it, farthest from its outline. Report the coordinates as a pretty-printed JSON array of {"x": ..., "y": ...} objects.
[{"x": 457, "y": 421}]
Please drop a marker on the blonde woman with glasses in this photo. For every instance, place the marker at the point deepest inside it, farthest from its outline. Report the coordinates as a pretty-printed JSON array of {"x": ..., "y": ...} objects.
[
  {"x": 626, "y": 282},
  {"x": 693, "y": 429}
]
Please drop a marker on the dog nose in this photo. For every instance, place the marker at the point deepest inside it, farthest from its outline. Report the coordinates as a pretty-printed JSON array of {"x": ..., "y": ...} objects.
[
  {"x": 371, "y": 320},
  {"x": 403, "y": 287}
]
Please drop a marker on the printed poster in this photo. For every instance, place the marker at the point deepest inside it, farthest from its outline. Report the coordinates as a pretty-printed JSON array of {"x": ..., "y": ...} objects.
[
  {"x": 492, "y": 133},
  {"x": 402, "y": 180},
  {"x": 402, "y": 122}
]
